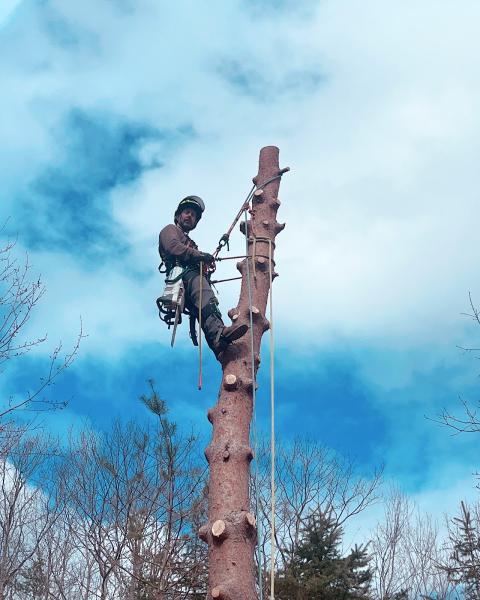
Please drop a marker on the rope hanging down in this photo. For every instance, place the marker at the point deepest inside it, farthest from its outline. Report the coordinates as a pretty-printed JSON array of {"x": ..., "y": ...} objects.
[
  {"x": 200, "y": 328},
  {"x": 254, "y": 399},
  {"x": 272, "y": 432},
  {"x": 254, "y": 240}
]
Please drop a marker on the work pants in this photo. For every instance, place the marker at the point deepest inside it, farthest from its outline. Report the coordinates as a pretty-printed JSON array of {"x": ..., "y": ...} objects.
[{"x": 212, "y": 325}]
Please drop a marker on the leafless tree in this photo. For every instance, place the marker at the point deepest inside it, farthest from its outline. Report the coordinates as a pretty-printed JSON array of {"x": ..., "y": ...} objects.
[
  {"x": 58, "y": 571},
  {"x": 310, "y": 478},
  {"x": 392, "y": 573},
  {"x": 469, "y": 421},
  {"x": 135, "y": 497},
  {"x": 19, "y": 295},
  {"x": 29, "y": 504},
  {"x": 407, "y": 554}
]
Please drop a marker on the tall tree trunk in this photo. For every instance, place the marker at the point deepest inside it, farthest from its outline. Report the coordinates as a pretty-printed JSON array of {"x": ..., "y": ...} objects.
[{"x": 231, "y": 529}]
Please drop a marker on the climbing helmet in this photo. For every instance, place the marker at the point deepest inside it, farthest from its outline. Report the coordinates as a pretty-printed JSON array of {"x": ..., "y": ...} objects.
[{"x": 194, "y": 202}]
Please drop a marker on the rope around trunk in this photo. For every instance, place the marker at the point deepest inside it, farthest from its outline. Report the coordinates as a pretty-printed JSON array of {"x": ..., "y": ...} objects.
[
  {"x": 254, "y": 398},
  {"x": 272, "y": 412}
]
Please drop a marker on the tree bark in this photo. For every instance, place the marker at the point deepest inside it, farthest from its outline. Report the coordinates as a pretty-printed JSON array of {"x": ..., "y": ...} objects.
[{"x": 231, "y": 530}]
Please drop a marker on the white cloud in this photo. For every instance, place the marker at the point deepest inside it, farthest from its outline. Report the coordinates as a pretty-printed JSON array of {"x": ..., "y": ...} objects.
[
  {"x": 6, "y": 10},
  {"x": 380, "y": 247},
  {"x": 381, "y": 198}
]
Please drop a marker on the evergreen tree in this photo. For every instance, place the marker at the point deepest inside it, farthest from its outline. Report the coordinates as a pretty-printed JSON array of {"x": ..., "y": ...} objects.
[
  {"x": 466, "y": 553},
  {"x": 318, "y": 571},
  {"x": 33, "y": 580}
]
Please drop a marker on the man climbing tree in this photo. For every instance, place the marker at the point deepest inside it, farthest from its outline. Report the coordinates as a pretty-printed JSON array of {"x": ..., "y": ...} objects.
[{"x": 178, "y": 250}]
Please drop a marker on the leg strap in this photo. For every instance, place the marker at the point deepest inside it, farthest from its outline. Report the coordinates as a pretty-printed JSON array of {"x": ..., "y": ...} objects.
[
  {"x": 211, "y": 309},
  {"x": 193, "y": 328}
]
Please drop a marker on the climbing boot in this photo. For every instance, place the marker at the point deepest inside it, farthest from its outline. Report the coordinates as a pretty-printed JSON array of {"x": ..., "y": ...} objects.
[
  {"x": 234, "y": 332},
  {"x": 227, "y": 336}
]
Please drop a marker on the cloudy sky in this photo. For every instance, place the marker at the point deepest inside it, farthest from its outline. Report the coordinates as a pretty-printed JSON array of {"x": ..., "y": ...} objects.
[{"x": 113, "y": 110}]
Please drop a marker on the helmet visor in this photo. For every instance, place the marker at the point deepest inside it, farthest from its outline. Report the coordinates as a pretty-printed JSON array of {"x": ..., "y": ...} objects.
[{"x": 190, "y": 203}]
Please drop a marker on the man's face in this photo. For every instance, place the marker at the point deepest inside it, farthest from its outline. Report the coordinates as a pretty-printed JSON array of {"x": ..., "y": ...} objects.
[{"x": 188, "y": 219}]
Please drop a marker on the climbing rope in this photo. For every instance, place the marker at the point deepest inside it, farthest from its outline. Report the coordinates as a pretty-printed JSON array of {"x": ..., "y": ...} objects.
[
  {"x": 200, "y": 303},
  {"x": 254, "y": 240},
  {"x": 272, "y": 429},
  {"x": 254, "y": 399},
  {"x": 225, "y": 239}
]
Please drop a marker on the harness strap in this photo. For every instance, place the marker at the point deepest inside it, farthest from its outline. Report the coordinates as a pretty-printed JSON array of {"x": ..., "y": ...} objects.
[
  {"x": 182, "y": 274},
  {"x": 211, "y": 309},
  {"x": 193, "y": 328}
]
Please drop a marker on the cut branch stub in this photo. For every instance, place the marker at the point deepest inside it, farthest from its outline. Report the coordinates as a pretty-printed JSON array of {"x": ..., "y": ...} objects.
[
  {"x": 233, "y": 314},
  {"x": 258, "y": 196},
  {"x": 262, "y": 263},
  {"x": 249, "y": 227},
  {"x": 230, "y": 382},
  {"x": 250, "y": 519},
  {"x": 203, "y": 533},
  {"x": 219, "y": 530},
  {"x": 255, "y": 312},
  {"x": 249, "y": 384}
]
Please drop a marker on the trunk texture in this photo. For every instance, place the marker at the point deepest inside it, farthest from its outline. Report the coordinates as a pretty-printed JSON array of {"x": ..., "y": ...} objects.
[{"x": 231, "y": 530}]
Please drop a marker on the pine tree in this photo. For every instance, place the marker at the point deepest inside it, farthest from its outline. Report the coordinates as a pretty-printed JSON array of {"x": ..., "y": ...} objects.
[
  {"x": 33, "y": 580},
  {"x": 318, "y": 571},
  {"x": 466, "y": 553}
]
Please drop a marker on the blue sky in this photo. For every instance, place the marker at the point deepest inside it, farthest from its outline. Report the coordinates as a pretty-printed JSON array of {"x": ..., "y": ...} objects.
[{"x": 111, "y": 112}]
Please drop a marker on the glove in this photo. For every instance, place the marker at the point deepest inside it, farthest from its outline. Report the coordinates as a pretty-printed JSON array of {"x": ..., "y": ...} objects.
[{"x": 205, "y": 257}]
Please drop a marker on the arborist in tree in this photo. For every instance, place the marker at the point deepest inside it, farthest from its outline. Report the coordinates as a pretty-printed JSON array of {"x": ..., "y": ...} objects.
[{"x": 178, "y": 250}]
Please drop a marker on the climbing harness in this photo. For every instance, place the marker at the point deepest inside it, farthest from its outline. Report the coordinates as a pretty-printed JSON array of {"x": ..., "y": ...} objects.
[{"x": 172, "y": 303}]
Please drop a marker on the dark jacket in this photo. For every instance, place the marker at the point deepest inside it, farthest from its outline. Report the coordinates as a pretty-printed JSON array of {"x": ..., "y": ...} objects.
[{"x": 176, "y": 247}]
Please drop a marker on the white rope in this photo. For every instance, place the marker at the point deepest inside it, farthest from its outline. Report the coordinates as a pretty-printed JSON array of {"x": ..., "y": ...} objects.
[
  {"x": 272, "y": 408},
  {"x": 272, "y": 431},
  {"x": 200, "y": 302},
  {"x": 254, "y": 398}
]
